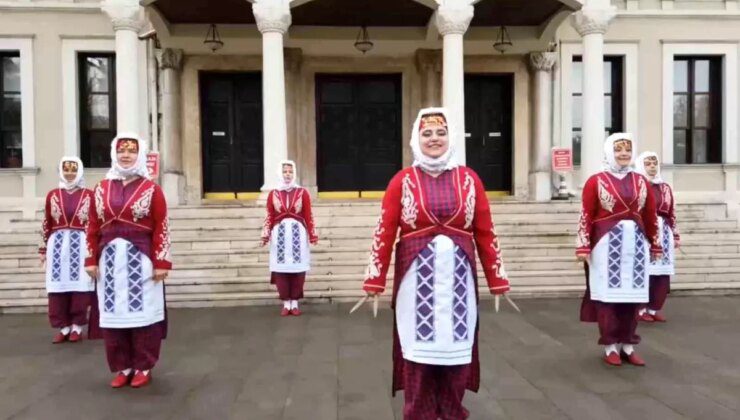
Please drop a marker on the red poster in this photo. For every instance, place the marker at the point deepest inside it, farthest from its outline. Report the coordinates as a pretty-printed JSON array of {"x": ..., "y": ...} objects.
[
  {"x": 152, "y": 164},
  {"x": 562, "y": 159}
]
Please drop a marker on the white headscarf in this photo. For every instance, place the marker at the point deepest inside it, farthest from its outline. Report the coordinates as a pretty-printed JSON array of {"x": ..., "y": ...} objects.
[
  {"x": 79, "y": 181},
  {"x": 138, "y": 169},
  {"x": 610, "y": 163},
  {"x": 640, "y": 167},
  {"x": 282, "y": 185},
  {"x": 428, "y": 164}
]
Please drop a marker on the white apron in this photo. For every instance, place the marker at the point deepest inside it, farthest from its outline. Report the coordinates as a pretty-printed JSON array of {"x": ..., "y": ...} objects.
[
  {"x": 289, "y": 251},
  {"x": 128, "y": 297},
  {"x": 436, "y": 309},
  {"x": 65, "y": 262},
  {"x": 618, "y": 268},
  {"x": 666, "y": 264}
]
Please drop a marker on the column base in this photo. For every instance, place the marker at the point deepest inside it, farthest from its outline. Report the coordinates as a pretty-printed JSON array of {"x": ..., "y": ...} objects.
[
  {"x": 173, "y": 186},
  {"x": 540, "y": 186}
]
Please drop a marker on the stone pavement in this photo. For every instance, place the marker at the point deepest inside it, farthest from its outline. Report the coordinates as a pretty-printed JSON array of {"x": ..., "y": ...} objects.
[{"x": 248, "y": 363}]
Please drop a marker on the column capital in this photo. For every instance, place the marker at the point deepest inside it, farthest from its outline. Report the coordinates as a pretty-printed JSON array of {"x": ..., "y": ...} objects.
[
  {"x": 593, "y": 20},
  {"x": 272, "y": 15},
  {"x": 454, "y": 18},
  {"x": 542, "y": 61},
  {"x": 125, "y": 14},
  {"x": 170, "y": 58}
]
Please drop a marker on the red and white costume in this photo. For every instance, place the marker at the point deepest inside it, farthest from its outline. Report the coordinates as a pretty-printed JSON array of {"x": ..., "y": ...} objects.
[
  {"x": 128, "y": 238},
  {"x": 289, "y": 228},
  {"x": 63, "y": 242},
  {"x": 663, "y": 268},
  {"x": 618, "y": 231},
  {"x": 442, "y": 220}
]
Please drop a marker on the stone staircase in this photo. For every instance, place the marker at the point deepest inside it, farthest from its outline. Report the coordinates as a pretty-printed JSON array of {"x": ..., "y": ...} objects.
[{"x": 218, "y": 261}]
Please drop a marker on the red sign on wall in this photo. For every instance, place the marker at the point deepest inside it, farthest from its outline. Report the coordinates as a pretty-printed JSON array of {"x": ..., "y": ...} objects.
[
  {"x": 152, "y": 164},
  {"x": 562, "y": 159}
]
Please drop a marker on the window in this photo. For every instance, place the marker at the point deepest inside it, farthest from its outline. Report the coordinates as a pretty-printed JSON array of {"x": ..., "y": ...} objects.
[
  {"x": 97, "y": 83},
  {"x": 11, "y": 154},
  {"x": 697, "y": 109},
  {"x": 613, "y": 99}
]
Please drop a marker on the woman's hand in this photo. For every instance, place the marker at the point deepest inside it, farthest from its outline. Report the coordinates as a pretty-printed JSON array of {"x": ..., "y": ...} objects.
[
  {"x": 583, "y": 258},
  {"x": 160, "y": 274},
  {"x": 93, "y": 272},
  {"x": 676, "y": 244},
  {"x": 42, "y": 260}
]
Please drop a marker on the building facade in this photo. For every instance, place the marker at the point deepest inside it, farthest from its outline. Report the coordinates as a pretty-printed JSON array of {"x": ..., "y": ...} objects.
[{"x": 290, "y": 81}]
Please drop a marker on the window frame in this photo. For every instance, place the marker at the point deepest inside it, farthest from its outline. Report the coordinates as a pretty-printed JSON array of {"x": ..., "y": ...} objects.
[
  {"x": 3, "y": 92},
  {"x": 714, "y": 131},
  {"x": 83, "y": 114}
]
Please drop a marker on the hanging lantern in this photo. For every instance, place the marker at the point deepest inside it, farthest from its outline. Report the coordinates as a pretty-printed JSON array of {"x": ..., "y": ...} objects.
[
  {"x": 213, "y": 39},
  {"x": 363, "y": 43},
  {"x": 503, "y": 41}
]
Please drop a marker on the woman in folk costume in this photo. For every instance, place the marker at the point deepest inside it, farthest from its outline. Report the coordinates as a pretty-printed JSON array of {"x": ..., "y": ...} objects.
[
  {"x": 617, "y": 237},
  {"x": 444, "y": 216},
  {"x": 63, "y": 252},
  {"x": 129, "y": 255},
  {"x": 661, "y": 269},
  {"x": 289, "y": 228}
]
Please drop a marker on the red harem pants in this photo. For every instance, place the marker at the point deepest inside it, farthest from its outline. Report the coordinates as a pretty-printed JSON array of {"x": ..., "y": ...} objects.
[
  {"x": 660, "y": 286},
  {"x": 433, "y": 392},
  {"x": 68, "y": 308},
  {"x": 289, "y": 285},
  {"x": 136, "y": 348},
  {"x": 617, "y": 323}
]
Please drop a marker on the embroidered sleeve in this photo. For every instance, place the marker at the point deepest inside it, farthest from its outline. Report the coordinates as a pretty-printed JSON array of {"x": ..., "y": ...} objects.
[
  {"x": 56, "y": 209},
  {"x": 668, "y": 193},
  {"x": 649, "y": 215},
  {"x": 589, "y": 207},
  {"x": 269, "y": 217},
  {"x": 469, "y": 188},
  {"x": 486, "y": 240},
  {"x": 45, "y": 226},
  {"x": 409, "y": 206},
  {"x": 384, "y": 236},
  {"x": 304, "y": 204},
  {"x": 92, "y": 231},
  {"x": 161, "y": 242}
]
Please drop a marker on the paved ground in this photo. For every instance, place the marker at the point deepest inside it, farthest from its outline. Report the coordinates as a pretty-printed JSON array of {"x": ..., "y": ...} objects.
[{"x": 248, "y": 363}]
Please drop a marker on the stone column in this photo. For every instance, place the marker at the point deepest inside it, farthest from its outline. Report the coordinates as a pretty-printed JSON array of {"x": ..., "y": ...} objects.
[
  {"x": 591, "y": 22},
  {"x": 428, "y": 65},
  {"x": 540, "y": 177},
  {"x": 173, "y": 183},
  {"x": 453, "y": 19},
  {"x": 127, "y": 21},
  {"x": 273, "y": 20}
]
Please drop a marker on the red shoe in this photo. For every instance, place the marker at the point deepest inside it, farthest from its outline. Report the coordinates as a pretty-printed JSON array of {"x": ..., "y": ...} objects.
[
  {"x": 658, "y": 317},
  {"x": 613, "y": 359},
  {"x": 59, "y": 338},
  {"x": 646, "y": 317},
  {"x": 74, "y": 337},
  {"x": 120, "y": 380},
  {"x": 633, "y": 359},
  {"x": 141, "y": 379},
  {"x": 284, "y": 312},
  {"x": 295, "y": 312}
]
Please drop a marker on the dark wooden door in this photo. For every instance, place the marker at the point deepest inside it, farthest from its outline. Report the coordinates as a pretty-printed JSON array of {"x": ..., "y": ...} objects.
[
  {"x": 488, "y": 126},
  {"x": 231, "y": 109},
  {"x": 358, "y": 123}
]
